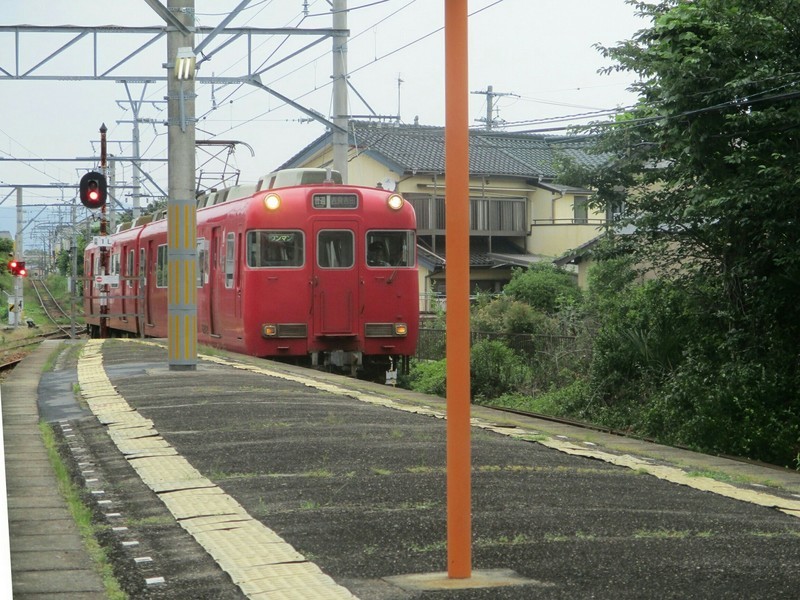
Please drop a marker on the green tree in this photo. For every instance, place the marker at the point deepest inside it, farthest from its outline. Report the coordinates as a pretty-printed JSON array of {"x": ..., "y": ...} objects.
[
  {"x": 708, "y": 161},
  {"x": 64, "y": 258}
]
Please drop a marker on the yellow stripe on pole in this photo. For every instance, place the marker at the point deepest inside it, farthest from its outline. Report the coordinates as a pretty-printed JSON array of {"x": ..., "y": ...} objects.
[{"x": 189, "y": 226}]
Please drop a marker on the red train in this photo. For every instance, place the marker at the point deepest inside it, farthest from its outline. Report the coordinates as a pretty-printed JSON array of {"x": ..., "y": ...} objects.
[{"x": 317, "y": 270}]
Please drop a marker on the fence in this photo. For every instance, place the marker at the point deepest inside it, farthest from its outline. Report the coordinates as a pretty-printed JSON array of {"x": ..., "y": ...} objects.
[{"x": 431, "y": 344}]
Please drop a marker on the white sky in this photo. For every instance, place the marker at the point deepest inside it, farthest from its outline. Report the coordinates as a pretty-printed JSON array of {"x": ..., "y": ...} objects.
[{"x": 540, "y": 51}]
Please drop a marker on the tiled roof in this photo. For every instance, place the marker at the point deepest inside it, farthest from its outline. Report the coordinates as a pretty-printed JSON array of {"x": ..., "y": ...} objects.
[{"x": 420, "y": 149}]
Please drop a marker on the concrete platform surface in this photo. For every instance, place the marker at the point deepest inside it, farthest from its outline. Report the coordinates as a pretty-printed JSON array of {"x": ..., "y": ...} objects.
[{"x": 251, "y": 479}]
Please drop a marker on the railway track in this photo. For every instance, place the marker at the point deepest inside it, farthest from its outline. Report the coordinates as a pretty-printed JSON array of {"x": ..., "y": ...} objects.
[{"x": 52, "y": 309}]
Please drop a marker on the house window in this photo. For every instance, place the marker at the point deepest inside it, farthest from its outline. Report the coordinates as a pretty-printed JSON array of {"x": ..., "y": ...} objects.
[{"x": 581, "y": 210}]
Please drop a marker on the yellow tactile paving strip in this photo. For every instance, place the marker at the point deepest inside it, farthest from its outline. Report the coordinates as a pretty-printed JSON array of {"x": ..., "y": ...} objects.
[
  {"x": 667, "y": 473},
  {"x": 256, "y": 558}
]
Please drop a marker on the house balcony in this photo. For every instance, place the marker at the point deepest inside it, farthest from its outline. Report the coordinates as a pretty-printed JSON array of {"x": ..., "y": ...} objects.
[{"x": 487, "y": 216}]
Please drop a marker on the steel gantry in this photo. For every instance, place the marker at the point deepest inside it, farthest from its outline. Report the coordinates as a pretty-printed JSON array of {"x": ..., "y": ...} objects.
[{"x": 93, "y": 46}]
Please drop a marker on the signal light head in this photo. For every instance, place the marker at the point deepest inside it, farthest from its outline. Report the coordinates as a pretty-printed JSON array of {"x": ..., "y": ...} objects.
[
  {"x": 93, "y": 190},
  {"x": 17, "y": 268}
]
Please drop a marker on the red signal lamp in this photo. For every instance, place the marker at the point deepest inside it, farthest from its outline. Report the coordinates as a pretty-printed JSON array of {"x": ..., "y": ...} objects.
[
  {"x": 93, "y": 190},
  {"x": 17, "y": 268}
]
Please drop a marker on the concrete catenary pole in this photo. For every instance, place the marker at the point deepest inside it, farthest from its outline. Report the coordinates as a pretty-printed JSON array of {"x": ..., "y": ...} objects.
[
  {"x": 181, "y": 208},
  {"x": 340, "y": 112}
]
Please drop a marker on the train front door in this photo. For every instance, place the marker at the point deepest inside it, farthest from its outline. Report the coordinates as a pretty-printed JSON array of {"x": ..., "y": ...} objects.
[{"x": 335, "y": 279}]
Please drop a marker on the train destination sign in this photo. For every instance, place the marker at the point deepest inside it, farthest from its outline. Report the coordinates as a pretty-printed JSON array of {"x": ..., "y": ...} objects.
[{"x": 335, "y": 201}]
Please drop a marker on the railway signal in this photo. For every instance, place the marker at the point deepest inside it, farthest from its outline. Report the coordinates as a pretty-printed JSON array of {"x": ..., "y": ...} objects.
[
  {"x": 17, "y": 268},
  {"x": 93, "y": 190}
]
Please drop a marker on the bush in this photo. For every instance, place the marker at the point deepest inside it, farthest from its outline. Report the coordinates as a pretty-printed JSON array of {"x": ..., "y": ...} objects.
[
  {"x": 543, "y": 287},
  {"x": 506, "y": 315},
  {"x": 496, "y": 370},
  {"x": 735, "y": 406},
  {"x": 429, "y": 377}
]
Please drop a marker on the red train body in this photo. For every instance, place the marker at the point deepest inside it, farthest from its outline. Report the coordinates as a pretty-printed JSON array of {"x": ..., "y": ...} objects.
[{"x": 288, "y": 272}]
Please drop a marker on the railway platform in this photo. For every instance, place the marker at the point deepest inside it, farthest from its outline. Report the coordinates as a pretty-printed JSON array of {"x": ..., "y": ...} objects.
[{"x": 252, "y": 479}]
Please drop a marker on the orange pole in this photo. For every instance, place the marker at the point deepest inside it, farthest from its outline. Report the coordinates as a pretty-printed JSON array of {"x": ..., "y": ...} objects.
[{"x": 459, "y": 503}]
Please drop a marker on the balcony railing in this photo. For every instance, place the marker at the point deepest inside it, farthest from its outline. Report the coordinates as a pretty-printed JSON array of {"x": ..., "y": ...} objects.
[{"x": 492, "y": 216}]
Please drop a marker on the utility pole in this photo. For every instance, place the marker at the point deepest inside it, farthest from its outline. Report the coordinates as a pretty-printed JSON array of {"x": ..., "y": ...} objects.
[
  {"x": 400, "y": 81},
  {"x": 110, "y": 171},
  {"x": 73, "y": 263},
  {"x": 103, "y": 248},
  {"x": 490, "y": 94},
  {"x": 136, "y": 106},
  {"x": 341, "y": 143},
  {"x": 181, "y": 205}
]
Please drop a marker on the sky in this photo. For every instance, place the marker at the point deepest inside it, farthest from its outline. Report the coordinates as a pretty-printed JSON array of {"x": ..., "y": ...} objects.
[{"x": 539, "y": 56}]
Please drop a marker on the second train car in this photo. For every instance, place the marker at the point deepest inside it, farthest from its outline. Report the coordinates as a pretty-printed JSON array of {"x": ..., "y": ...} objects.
[{"x": 318, "y": 271}]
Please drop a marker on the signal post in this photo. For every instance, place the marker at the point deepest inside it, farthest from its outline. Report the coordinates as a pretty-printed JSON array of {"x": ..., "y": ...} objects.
[
  {"x": 93, "y": 190},
  {"x": 16, "y": 267}
]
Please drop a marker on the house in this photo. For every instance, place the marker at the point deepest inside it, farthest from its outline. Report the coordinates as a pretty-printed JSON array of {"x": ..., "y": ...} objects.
[{"x": 518, "y": 214}]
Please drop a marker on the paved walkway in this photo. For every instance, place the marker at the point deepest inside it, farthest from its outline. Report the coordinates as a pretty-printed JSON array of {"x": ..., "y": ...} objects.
[{"x": 48, "y": 558}]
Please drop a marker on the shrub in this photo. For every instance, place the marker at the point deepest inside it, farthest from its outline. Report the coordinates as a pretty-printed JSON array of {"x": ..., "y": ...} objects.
[
  {"x": 497, "y": 369},
  {"x": 543, "y": 287},
  {"x": 429, "y": 376},
  {"x": 506, "y": 315}
]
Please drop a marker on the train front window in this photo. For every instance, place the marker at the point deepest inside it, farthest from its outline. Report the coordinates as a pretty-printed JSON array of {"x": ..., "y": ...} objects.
[
  {"x": 335, "y": 249},
  {"x": 273, "y": 248},
  {"x": 390, "y": 248}
]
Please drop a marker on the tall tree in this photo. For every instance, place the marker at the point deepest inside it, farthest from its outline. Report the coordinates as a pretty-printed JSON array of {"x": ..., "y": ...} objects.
[
  {"x": 708, "y": 165},
  {"x": 709, "y": 157}
]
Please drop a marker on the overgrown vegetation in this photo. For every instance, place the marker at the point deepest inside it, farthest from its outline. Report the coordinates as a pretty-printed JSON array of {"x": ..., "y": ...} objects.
[{"x": 691, "y": 314}]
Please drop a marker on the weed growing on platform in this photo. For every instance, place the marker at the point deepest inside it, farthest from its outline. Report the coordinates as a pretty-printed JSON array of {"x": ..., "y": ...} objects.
[
  {"x": 439, "y": 546},
  {"x": 661, "y": 534},
  {"x": 502, "y": 540}
]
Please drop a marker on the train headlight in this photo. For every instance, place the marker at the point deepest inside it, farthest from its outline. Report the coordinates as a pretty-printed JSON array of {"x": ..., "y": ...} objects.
[
  {"x": 269, "y": 330},
  {"x": 400, "y": 329},
  {"x": 395, "y": 201},
  {"x": 272, "y": 201}
]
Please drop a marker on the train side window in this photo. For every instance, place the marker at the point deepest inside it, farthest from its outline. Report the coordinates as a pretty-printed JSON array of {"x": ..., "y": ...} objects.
[
  {"x": 271, "y": 248},
  {"x": 202, "y": 262},
  {"x": 390, "y": 248},
  {"x": 335, "y": 249},
  {"x": 114, "y": 267},
  {"x": 230, "y": 259},
  {"x": 161, "y": 267}
]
